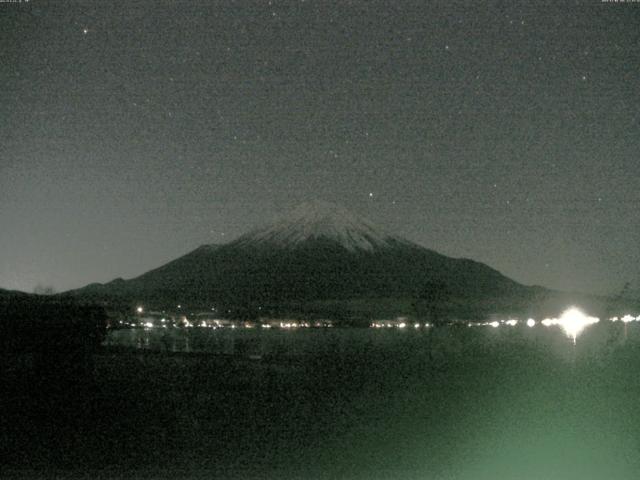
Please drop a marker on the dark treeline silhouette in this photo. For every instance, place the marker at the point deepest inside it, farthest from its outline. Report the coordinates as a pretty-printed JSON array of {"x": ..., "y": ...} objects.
[{"x": 52, "y": 340}]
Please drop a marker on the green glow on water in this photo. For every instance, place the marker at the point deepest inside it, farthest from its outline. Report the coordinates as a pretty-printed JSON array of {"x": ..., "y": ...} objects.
[{"x": 514, "y": 402}]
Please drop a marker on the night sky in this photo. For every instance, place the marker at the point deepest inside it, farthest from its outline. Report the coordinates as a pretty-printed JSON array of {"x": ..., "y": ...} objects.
[{"x": 133, "y": 132}]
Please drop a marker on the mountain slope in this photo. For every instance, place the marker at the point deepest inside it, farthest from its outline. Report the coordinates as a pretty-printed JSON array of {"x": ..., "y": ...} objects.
[
  {"x": 7, "y": 295},
  {"x": 317, "y": 253}
]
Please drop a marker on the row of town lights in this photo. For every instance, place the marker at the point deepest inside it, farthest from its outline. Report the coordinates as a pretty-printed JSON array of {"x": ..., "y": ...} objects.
[{"x": 572, "y": 321}]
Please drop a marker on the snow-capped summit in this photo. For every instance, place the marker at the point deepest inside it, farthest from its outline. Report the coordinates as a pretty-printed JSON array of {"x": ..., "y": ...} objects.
[
  {"x": 321, "y": 220},
  {"x": 320, "y": 252}
]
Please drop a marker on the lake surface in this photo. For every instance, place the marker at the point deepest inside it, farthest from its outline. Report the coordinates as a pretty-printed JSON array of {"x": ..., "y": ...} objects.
[
  {"x": 464, "y": 403},
  {"x": 594, "y": 341},
  {"x": 451, "y": 403}
]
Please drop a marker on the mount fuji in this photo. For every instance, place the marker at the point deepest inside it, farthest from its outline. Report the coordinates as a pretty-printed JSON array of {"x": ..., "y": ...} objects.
[
  {"x": 321, "y": 221},
  {"x": 320, "y": 259}
]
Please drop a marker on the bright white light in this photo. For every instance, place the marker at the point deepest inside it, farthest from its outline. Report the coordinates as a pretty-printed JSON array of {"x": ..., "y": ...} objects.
[
  {"x": 139, "y": 309},
  {"x": 627, "y": 319},
  {"x": 511, "y": 323},
  {"x": 416, "y": 325},
  {"x": 494, "y": 324},
  {"x": 573, "y": 321},
  {"x": 148, "y": 325},
  {"x": 402, "y": 325},
  {"x": 531, "y": 322}
]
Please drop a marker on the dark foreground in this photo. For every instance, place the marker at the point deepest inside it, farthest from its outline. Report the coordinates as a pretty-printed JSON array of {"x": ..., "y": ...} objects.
[{"x": 498, "y": 405}]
